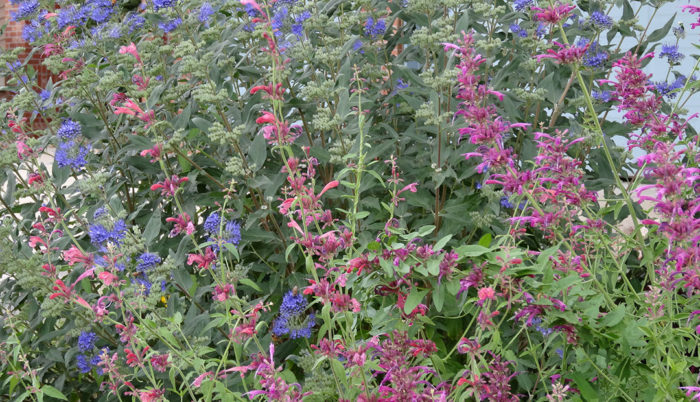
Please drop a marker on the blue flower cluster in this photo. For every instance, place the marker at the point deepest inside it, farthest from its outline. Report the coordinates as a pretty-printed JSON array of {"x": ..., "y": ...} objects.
[
  {"x": 505, "y": 203},
  {"x": 666, "y": 89},
  {"x": 600, "y": 20},
  {"x": 292, "y": 319},
  {"x": 104, "y": 230},
  {"x": 516, "y": 29},
  {"x": 602, "y": 96},
  {"x": 69, "y": 152},
  {"x": 25, "y": 10},
  {"x": 595, "y": 56},
  {"x": 147, "y": 261},
  {"x": 86, "y": 344},
  {"x": 158, "y": 4},
  {"x": 520, "y": 5},
  {"x": 373, "y": 29},
  {"x": 205, "y": 12},
  {"x": 86, "y": 341},
  {"x": 230, "y": 233},
  {"x": 169, "y": 26},
  {"x": 671, "y": 52}
]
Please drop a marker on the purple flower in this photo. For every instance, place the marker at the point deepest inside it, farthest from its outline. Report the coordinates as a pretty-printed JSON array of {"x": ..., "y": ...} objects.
[
  {"x": 70, "y": 154},
  {"x": 100, "y": 10},
  {"x": 292, "y": 319},
  {"x": 666, "y": 89},
  {"x": 143, "y": 282},
  {"x": 135, "y": 22},
  {"x": 147, "y": 261},
  {"x": 600, "y": 20},
  {"x": 519, "y": 5},
  {"x": 69, "y": 129},
  {"x": 100, "y": 234},
  {"x": 45, "y": 94},
  {"x": 373, "y": 28},
  {"x": 516, "y": 29},
  {"x": 82, "y": 363},
  {"x": 170, "y": 26},
  {"x": 205, "y": 12},
  {"x": 71, "y": 16},
  {"x": 86, "y": 341},
  {"x": 505, "y": 203},
  {"x": 595, "y": 56},
  {"x": 25, "y": 9},
  {"x": 541, "y": 30},
  {"x": 278, "y": 20},
  {"x": 212, "y": 223},
  {"x": 158, "y": 4},
  {"x": 602, "y": 96},
  {"x": 671, "y": 52}
]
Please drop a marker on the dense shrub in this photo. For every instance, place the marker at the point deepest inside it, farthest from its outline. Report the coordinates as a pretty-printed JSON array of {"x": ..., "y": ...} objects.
[{"x": 356, "y": 200}]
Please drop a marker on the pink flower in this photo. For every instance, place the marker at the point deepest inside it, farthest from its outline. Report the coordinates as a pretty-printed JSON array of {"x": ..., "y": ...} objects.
[
  {"x": 182, "y": 223},
  {"x": 202, "y": 261},
  {"x": 133, "y": 109},
  {"x": 693, "y": 10},
  {"x": 554, "y": 14},
  {"x": 154, "y": 153},
  {"x": 221, "y": 293},
  {"x": 23, "y": 149},
  {"x": 486, "y": 293},
  {"x": 74, "y": 255},
  {"x": 565, "y": 55},
  {"x": 168, "y": 187},
  {"x": 131, "y": 49},
  {"x": 108, "y": 278}
]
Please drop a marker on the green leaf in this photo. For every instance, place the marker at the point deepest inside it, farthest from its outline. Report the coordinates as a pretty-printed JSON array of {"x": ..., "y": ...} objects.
[
  {"x": 614, "y": 317},
  {"x": 258, "y": 151},
  {"x": 441, "y": 243},
  {"x": 660, "y": 33},
  {"x": 485, "y": 240},
  {"x": 439, "y": 297},
  {"x": 587, "y": 391},
  {"x": 249, "y": 282},
  {"x": 48, "y": 390},
  {"x": 471, "y": 250},
  {"x": 153, "y": 227},
  {"x": 413, "y": 300}
]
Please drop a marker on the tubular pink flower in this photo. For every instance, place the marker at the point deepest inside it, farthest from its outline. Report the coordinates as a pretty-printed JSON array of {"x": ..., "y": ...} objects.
[
  {"x": 168, "y": 187},
  {"x": 553, "y": 14},
  {"x": 131, "y": 49},
  {"x": 133, "y": 109},
  {"x": 565, "y": 55},
  {"x": 693, "y": 10}
]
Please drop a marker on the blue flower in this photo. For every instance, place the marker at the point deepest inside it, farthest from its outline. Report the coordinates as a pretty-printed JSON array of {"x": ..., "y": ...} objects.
[
  {"x": 169, "y": 26},
  {"x": 232, "y": 232},
  {"x": 14, "y": 66},
  {"x": 602, "y": 96},
  {"x": 212, "y": 223},
  {"x": 519, "y": 5},
  {"x": 71, "y": 16},
  {"x": 100, "y": 10},
  {"x": 278, "y": 20},
  {"x": 70, "y": 154},
  {"x": 100, "y": 234},
  {"x": 601, "y": 20},
  {"x": 373, "y": 29},
  {"x": 205, "y": 12},
  {"x": 595, "y": 56},
  {"x": 25, "y": 9},
  {"x": 541, "y": 30},
  {"x": 82, "y": 363},
  {"x": 357, "y": 46},
  {"x": 69, "y": 130},
  {"x": 45, "y": 94},
  {"x": 505, "y": 203},
  {"x": 516, "y": 29},
  {"x": 401, "y": 84},
  {"x": 145, "y": 283},
  {"x": 135, "y": 22},
  {"x": 666, "y": 89},
  {"x": 671, "y": 52},
  {"x": 292, "y": 319},
  {"x": 158, "y": 4},
  {"x": 147, "y": 261},
  {"x": 86, "y": 341}
]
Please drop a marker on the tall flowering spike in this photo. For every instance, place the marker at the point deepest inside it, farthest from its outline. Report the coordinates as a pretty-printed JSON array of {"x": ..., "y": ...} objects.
[{"x": 132, "y": 109}]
